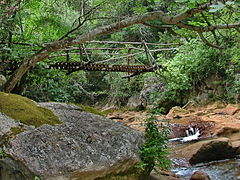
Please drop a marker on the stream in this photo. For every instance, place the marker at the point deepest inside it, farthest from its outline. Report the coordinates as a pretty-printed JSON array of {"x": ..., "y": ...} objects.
[
  {"x": 217, "y": 170},
  {"x": 228, "y": 169}
]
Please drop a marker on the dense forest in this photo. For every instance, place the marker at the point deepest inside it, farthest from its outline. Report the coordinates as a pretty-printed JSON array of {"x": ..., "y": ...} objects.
[{"x": 195, "y": 44}]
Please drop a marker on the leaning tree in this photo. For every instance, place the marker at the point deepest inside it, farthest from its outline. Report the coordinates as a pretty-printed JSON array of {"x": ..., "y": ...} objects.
[{"x": 204, "y": 19}]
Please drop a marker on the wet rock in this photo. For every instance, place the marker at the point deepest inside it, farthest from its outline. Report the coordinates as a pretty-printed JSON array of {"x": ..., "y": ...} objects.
[
  {"x": 83, "y": 147},
  {"x": 181, "y": 125},
  {"x": 212, "y": 150},
  {"x": 163, "y": 175},
  {"x": 237, "y": 173},
  {"x": 236, "y": 145},
  {"x": 200, "y": 175},
  {"x": 204, "y": 151}
]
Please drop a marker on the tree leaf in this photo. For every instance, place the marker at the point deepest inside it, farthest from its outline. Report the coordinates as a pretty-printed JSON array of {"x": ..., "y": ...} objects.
[
  {"x": 229, "y": 3},
  {"x": 181, "y": 1},
  {"x": 217, "y": 7}
]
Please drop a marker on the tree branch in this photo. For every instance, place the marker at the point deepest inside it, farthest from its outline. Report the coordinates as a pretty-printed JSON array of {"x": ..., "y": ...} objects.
[
  {"x": 208, "y": 28},
  {"x": 156, "y": 15},
  {"x": 168, "y": 27},
  {"x": 192, "y": 12},
  {"x": 80, "y": 23},
  {"x": 213, "y": 31},
  {"x": 207, "y": 42}
]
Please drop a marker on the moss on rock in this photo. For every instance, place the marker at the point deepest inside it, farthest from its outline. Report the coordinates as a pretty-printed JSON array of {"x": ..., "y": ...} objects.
[
  {"x": 26, "y": 111},
  {"x": 90, "y": 109},
  {"x": 16, "y": 130}
]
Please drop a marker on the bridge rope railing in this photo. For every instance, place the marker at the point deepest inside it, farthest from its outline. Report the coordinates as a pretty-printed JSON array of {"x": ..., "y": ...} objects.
[{"x": 136, "y": 49}]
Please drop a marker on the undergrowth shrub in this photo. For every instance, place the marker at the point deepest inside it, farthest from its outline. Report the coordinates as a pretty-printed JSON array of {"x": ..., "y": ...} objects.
[
  {"x": 154, "y": 151},
  {"x": 192, "y": 63}
]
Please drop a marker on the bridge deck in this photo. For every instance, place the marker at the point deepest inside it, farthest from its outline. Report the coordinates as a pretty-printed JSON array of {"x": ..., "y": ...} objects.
[{"x": 75, "y": 66}]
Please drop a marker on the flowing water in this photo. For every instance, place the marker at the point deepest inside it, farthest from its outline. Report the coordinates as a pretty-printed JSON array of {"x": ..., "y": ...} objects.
[{"x": 218, "y": 170}]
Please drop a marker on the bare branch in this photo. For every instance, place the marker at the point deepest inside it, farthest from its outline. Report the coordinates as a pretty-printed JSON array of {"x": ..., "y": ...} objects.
[
  {"x": 191, "y": 12},
  {"x": 168, "y": 27},
  {"x": 158, "y": 26},
  {"x": 120, "y": 57},
  {"x": 207, "y": 42},
  {"x": 132, "y": 43},
  {"x": 80, "y": 23},
  {"x": 213, "y": 31}
]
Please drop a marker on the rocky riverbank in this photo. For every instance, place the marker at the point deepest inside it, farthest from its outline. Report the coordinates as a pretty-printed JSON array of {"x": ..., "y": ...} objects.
[
  {"x": 219, "y": 139},
  {"x": 59, "y": 141}
]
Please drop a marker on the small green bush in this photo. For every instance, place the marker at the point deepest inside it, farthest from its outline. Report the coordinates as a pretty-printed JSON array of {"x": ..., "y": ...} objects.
[
  {"x": 2, "y": 153},
  {"x": 154, "y": 152}
]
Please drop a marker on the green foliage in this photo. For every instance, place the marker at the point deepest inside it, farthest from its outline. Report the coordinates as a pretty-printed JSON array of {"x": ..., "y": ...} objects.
[
  {"x": 158, "y": 110},
  {"x": 122, "y": 89},
  {"x": 90, "y": 109},
  {"x": 37, "y": 178},
  {"x": 190, "y": 66},
  {"x": 2, "y": 153},
  {"x": 154, "y": 152},
  {"x": 48, "y": 20},
  {"x": 53, "y": 85}
]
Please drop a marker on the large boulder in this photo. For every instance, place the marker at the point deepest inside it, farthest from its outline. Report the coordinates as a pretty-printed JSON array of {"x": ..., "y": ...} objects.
[
  {"x": 83, "y": 147},
  {"x": 135, "y": 102},
  {"x": 206, "y": 151},
  {"x": 152, "y": 86},
  {"x": 212, "y": 150}
]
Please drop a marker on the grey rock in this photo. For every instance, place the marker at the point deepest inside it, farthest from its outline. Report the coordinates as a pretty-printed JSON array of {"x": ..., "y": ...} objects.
[
  {"x": 6, "y": 123},
  {"x": 153, "y": 86},
  {"x": 2, "y": 80},
  {"x": 85, "y": 146},
  {"x": 134, "y": 102},
  {"x": 217, "y": 149}
]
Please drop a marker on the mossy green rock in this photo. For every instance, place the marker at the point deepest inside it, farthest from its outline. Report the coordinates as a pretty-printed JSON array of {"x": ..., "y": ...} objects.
[
  {"x": 26, "y": 111},
  {"x": 90, "y": 109},
  {"x": 84, "y": 147}
]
